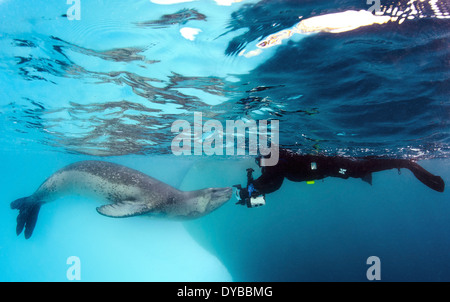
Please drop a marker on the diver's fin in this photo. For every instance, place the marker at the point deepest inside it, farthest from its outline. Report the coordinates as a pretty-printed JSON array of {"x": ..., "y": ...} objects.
[
  {"x": 124, "y": 208},
  {"x": 432, "y": 181},
  {"x": 28, "y": 215},
  {"x": 367, "y": 178}
]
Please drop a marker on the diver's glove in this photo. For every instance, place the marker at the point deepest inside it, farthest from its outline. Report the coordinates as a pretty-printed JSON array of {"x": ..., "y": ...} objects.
[{"x": 241, "y": 195}]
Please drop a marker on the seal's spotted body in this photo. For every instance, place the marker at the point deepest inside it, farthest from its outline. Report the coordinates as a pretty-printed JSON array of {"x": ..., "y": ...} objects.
[{"x": 128, "y": 192}]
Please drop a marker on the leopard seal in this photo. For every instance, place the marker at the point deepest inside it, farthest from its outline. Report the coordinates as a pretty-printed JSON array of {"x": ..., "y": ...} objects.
[{"x": 127, "y": 191}]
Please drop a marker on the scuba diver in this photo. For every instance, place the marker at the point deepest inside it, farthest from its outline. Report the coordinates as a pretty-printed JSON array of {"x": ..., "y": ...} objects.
[{"x": 297, "y": 167}]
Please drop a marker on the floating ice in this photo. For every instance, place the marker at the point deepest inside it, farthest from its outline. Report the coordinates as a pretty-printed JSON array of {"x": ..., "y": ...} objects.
[
  {"x": 167, "y": 2},
  {"x": 190, "y": 32},
  {"x": 226, "y": 2}
]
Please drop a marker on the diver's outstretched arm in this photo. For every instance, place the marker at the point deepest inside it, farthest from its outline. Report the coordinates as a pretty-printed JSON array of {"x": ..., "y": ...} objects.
[{"x": 270, "y": 180}]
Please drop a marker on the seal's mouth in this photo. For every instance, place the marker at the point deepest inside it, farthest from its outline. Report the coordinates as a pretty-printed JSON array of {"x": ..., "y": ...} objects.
[
  {"x": 220, "y": 196},
  {"x": 222, "y": 193}
]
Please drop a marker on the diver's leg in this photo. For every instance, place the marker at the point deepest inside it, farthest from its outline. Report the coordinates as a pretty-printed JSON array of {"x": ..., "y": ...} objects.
[
  {"x": 432, "y": 181},
  {"x": 362, "y": 168}
]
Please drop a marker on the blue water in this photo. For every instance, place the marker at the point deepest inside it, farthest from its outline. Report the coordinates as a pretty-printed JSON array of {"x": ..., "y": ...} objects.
[{"x": 110, "y": 85}]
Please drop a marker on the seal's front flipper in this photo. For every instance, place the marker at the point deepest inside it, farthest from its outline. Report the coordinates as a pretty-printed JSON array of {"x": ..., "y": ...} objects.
[
  {"x": 432, "y": 181},
  {"x": 28, "y": 215},
  {"x": 124, "y": 209}
]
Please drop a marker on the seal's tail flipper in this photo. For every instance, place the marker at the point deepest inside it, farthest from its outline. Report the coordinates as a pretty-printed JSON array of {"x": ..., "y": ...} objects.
[
  {"x": 28, "y": 214},
  {"x": 432, "y": 181}
]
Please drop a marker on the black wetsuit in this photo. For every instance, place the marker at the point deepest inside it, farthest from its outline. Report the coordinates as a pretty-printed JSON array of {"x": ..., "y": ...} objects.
[{"x": 296, "y": 167}]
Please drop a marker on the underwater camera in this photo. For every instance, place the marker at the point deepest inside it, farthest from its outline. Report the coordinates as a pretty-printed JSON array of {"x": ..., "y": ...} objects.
[
  {"x": 257, "y": 201},
  {"x": 249, "y": 196}
]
